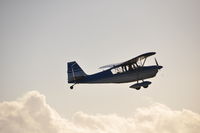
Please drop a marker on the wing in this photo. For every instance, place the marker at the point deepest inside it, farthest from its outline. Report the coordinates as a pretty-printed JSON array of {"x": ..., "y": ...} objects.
[
  {"x": 136, "y": 59},
  {"x": 131, "y": 61}
]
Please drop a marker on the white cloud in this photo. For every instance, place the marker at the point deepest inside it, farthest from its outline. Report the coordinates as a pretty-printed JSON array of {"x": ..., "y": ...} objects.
[{"x": 31, "y": 114}]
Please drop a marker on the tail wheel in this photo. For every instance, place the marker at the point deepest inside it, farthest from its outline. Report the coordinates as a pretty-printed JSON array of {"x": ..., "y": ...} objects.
[{"x": 71, "y": 87}]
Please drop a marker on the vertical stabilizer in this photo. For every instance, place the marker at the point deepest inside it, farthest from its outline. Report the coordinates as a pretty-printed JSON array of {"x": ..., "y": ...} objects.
[{"x": 74, "y": 72}]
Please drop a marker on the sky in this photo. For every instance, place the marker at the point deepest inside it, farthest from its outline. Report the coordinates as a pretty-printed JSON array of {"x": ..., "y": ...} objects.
[{"x": 38, "y": 38}]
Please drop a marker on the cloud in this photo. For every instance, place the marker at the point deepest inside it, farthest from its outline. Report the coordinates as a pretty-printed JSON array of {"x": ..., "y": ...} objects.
[{"x": 31, "y": 114}]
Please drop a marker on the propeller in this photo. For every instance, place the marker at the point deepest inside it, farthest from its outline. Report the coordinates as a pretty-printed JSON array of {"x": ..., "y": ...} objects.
[
  {"x": 159, "y": 67},
  {"x": 156, "y": 62}
]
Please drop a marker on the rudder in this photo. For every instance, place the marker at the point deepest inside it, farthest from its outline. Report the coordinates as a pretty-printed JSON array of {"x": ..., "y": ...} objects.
[{"x": 74, "y": 72}]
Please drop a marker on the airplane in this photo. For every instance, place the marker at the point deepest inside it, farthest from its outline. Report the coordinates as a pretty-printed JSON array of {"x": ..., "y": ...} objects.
[{"x": 124, "y": 72}]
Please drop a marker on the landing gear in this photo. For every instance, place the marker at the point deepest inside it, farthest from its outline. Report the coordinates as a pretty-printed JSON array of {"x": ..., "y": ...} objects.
[
  {"x": 137, "y": 88},
  {"x": 138, "y": 85},
  {"x": 146, "y": 86},
  {"x": 72, "y": 87}
]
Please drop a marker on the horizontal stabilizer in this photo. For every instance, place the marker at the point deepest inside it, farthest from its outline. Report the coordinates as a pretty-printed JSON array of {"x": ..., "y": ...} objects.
[{"x": 109, "y": 66}]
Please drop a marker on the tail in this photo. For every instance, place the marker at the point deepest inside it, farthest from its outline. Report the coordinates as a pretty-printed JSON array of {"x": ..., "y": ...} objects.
[{"x": 74, "y": 72}]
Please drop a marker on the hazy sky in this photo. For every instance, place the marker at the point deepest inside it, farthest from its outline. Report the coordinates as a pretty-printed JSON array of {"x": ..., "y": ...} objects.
[{"x": 37, "y": 38}]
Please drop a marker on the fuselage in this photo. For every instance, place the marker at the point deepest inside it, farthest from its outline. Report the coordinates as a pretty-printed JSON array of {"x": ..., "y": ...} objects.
[{"x": 107, "y": 76}]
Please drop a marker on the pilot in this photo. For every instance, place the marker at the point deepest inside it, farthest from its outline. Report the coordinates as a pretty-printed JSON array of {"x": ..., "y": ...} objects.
[
  {"x": 134, "y": 66},
  {"x": 124, "y": 68},
  {"x": 130, "y": 67}
]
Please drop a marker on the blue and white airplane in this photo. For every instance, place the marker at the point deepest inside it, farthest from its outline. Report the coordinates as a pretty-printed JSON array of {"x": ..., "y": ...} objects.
[{"x": 128, "y": 71}]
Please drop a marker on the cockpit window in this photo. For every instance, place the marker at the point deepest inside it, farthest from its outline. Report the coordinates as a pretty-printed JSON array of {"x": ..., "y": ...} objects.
[
  {"x": 123, "y": 69},
  {"x": 117, "y": 70}
]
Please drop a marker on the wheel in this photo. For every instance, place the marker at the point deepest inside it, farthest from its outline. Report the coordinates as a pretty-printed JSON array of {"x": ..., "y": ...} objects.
[
  {"x": 146, "y": 86},
  {"x": 137, "y": 88},
  {"x": 71, "y": 87}
]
